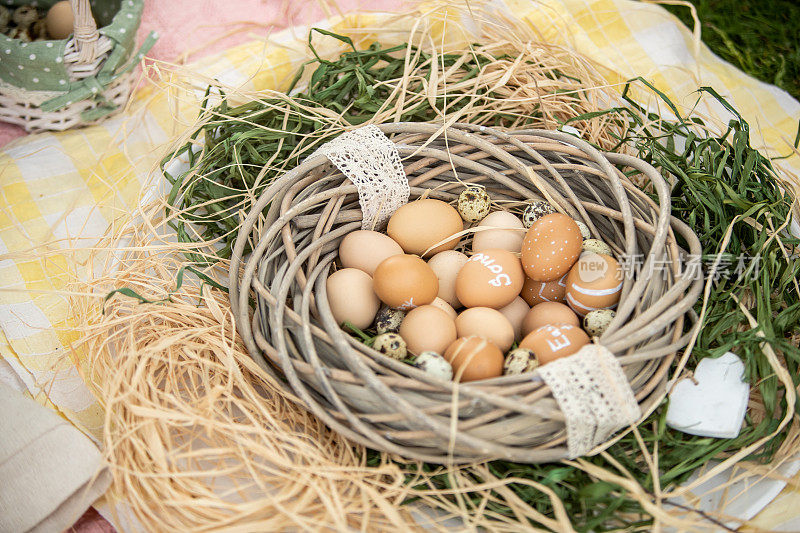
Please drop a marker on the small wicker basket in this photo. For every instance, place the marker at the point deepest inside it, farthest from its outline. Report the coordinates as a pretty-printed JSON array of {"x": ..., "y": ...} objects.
[
  {"x": 388, "y": 405},
  {"x": 55, "y": 85}
]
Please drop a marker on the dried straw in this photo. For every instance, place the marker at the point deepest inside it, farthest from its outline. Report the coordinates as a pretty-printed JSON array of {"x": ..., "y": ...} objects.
[{"x": 199, "y": 437}]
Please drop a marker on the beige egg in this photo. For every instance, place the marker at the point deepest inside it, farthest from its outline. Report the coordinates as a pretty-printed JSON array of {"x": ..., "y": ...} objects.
[
  {"x": 428, "y": 328},
  {"x": 444, "y": 306},
  {"x": 60, "y": 20},
  {"x": 515, "y": 313},
  {"x": 365, "y": 250},
  {"x": 351, "y": 297},
  {"x": 405, "y": 282},
  {"x": 549, "y": 313},
  {"x": 474, "y": 358},
  {"x": 551, "y": 246},
  {"x": 488, "y": 323},
  {"x": 553, "y": 342},
  {"x": 595, "y": 282},
  {"x": 535, "y": 292},
  {"x": 491, "y": 278},
  {"x": 446, "y": 266},
  {"x": 508, "y": 237},
  {"x": 419, "y": 225}
]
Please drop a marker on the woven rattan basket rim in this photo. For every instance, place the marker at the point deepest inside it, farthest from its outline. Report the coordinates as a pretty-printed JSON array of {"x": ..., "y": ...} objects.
[{"x": 416, "y": 422}]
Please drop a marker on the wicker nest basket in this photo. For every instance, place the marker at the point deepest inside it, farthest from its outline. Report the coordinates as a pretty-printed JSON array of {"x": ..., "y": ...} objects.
[
  {"x": 60, "y": 84},
  {"x": 388, "y": 405}
]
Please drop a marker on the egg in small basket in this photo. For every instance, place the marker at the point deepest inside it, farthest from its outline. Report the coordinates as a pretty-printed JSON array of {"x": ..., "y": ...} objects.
[{"x": 295, "y": 229}]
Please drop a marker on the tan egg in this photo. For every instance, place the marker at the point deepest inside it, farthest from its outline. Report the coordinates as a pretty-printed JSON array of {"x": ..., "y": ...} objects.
[
  {"x": 427, "y": 329},
  {"x": 60, "y": 20},
  {"x": 474, "y": 358},
  {"x": 405, "y": 282},
  {"x": 549, "y": 313},
  {"x": 553, "y": 342},
  {"x": 351, "y": 297},
  {"x": 536, "y": 292},
  {"x": 508, "y": 238},
  {"x": 595, "y": 282},
  {"x": 491, "y": 278},
  {"x": 365, "y": 250},
  {"x": 515, "y": 313},
  {"x": 488, "y": 323},
  {"x": 419, "y": 225},
  {"x": 446, "y": 266},
  {"x": 446, "y": 307},
  {"x": 551, "y": 246}
]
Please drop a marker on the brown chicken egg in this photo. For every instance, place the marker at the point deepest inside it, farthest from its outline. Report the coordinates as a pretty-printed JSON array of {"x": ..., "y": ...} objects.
[
  {"x": 595, "y": 282},
  {"x": 548, "y": 313},
  {"x": 405, "y": 282},
  {"x": 365, "y": 250},
  {"x": 507, "y": 236},
  {"x": 60, "y": 20},
  {"x": 351, "y": 297},
  {"x": 515, "y": 313},
  {"x": 536, "y": 292},
  {"x": 474, "y": 358},
  {"x": 487, "y": 323},
  {"x": 446, "y": 265},
  {"x": 418, "y": 225},
  {"x": 553, "y": 342},
  {"x": 491, "y": 278},
  {"x": 551, "y": 246},
  {"x": 427, "y": 328}
]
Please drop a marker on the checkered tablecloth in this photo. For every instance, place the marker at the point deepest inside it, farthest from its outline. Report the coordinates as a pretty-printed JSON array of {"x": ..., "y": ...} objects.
[{"x": 61, "y": 191}]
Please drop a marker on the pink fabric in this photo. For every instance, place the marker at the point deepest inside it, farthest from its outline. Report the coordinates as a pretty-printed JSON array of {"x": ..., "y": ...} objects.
[
  {"x": 201, "y": 26},
  {"x": 204, "y": 27}
]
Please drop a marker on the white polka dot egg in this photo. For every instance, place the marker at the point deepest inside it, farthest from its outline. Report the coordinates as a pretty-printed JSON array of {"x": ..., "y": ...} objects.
[{"x": 551, "y": 246}]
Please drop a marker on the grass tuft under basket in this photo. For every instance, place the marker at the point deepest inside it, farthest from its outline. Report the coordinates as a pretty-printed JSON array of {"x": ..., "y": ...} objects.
[{"x": 295, "y": 229}]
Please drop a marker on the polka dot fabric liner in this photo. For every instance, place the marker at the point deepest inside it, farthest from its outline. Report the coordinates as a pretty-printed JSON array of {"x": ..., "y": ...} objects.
[{"x": 39, "y": 66}]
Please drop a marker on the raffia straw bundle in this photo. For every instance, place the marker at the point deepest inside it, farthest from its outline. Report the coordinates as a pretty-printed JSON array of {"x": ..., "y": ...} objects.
[{"x": 193, "y": 443}]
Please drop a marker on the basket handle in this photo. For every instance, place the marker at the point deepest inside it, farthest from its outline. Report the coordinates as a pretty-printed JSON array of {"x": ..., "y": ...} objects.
[{"x": 84, "y": 31}]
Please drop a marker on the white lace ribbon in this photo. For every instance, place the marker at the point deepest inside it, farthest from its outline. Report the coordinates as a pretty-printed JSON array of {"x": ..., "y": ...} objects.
[
  {"x": 370, "y": 160},
  {"x": 593, "y": 393}
]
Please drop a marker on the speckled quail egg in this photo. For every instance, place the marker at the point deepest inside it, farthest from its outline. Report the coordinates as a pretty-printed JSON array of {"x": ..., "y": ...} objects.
[
  {"x": 474, "y": 204},
  {"x": 5, "y": 18},
  {"x": 22, "y": 34},
  {"x": 25, "y": 16},
  {"x": 519, "y": 361},
  {"x": 585, "y": 233},
  {"x": 535, "y": 211},
  {"x": 389, "y": 320},
  {"x": 596, "y": 322},
  {"x": 596, "y": 246},
  {"x": 434, "y": 364},
  {"x": 39, "y": 30},
  {"x": 390, "y": 344}
]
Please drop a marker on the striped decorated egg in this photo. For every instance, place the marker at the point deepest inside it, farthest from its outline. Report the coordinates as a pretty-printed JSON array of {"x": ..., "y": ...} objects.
[{"x": 594, "y": 282}]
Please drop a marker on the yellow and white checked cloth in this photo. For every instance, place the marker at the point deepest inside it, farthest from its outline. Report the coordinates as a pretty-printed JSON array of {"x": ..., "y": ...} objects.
[{"x": 67, "y": 188}]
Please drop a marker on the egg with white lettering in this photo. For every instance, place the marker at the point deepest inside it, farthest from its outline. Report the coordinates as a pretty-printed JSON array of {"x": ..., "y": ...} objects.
[
  {"x": 536, "y": 292},
  {"x": 594, "y": 282},
  {"x": 491, "y": 278},
  {"x": 554, "y": 342}
]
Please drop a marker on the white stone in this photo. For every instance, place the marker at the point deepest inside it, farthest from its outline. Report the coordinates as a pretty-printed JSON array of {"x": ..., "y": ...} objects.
[{"x": 712, "y": 404}]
